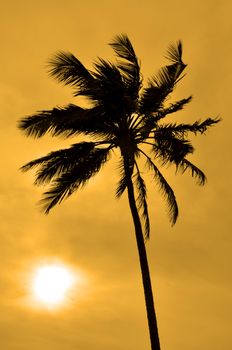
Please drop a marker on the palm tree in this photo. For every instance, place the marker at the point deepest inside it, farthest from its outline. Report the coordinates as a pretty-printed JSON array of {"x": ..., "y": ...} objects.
[{"x": 121, "y": 115}]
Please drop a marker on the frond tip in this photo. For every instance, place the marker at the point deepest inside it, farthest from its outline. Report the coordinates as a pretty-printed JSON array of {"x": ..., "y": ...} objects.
[
  {"x": 128, "y": 63},
  {"x": 142, "y": 203},
  {"x": 67, "y": 69},
  {"x": 195, "y": 171},
  {"x": 174, "y": 52},
  {"x": 165, "y": 188},
  {"x": 122, "y": 184}
]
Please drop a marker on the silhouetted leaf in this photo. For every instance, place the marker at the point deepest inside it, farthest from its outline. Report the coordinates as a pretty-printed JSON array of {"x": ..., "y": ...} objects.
[
  {"x": 142, "y": 203},
  {"x": 195, "y": 171},
  {"x": 166, "y": 191},
  {"x": 128, "y": 63},
  {"x": 68, "y": 121},
  {"x": 69, "y": 181},
  {"x": 170, "y": 149},
  {"x": 181, "y": 130},
  {"x": 66, "y": 68},
  {"x": 58, "y": 162},
  {"x": 163, "y": 83}
]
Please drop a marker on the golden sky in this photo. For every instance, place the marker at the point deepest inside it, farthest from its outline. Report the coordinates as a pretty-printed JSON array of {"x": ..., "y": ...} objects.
[{"x": 92, "y": 232}]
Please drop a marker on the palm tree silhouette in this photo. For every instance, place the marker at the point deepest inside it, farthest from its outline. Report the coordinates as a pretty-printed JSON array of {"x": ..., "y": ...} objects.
[{"x": 125, "y": 116}]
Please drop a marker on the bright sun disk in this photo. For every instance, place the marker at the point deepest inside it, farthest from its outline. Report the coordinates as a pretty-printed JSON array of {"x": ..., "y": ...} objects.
[{"x": 51, "y": 284}]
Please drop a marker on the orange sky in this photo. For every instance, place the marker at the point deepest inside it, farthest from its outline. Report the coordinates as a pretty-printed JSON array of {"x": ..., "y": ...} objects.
[{"x": 92, "y": 232}]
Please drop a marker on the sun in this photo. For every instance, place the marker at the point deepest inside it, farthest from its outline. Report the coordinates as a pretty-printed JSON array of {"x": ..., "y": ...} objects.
[{"x": 51, "y": 284}]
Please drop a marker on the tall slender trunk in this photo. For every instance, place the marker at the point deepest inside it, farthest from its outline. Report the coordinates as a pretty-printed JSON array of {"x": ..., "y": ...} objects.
[{"x": 151, "y": 316}]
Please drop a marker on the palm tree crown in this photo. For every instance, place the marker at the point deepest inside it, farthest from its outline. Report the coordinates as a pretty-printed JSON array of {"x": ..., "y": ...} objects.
[{"x": 122, "y": 115}]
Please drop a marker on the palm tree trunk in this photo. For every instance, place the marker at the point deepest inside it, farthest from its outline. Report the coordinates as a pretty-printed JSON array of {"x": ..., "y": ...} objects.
[{"x": 151, "y": 316}]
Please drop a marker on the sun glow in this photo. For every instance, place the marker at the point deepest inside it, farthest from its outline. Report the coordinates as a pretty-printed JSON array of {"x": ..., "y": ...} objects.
[{"x": 51, "y": 284}]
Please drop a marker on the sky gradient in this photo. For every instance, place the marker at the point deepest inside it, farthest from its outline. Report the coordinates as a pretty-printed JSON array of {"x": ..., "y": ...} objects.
[{"x": 92, "y": 231}]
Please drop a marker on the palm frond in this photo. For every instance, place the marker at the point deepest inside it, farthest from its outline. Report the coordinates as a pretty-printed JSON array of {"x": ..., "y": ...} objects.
[
  {"x": 174, "y": 107},
  {"x": 46, "y": 121},
  {"x": 142, "y": 203},
  {"x": 123, "y": 48},
  {"x": 165, "y": 189},
  {"x": 181, "y": 130},
  {"x": 63, "y": 186},
  {"x": 195, "y": 171},
  {"x": 174, "y": 52},
  {"x": 59, "y": 162},
  {"x": 128, "y": 63},
  {"x": 66, "y": 68},
  {"x": 110, "y": 89},
  {"x": 151, "y": 99},
  {"x": 159, "y": 87},
  {"x": 67, "y": 121},
  {"x": 163, "y": 83},
  {"x": 171, "y": 149},
  {"x": 167, "y": 77},
  {"x": 122, "y": 184},
  {"x": 106, "y": 72}
]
